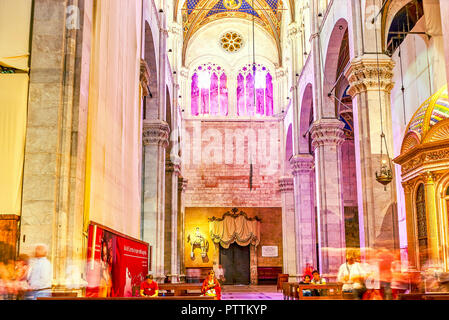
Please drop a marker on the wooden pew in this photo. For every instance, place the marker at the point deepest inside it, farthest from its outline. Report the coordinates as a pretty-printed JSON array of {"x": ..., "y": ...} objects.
[
  {"x": 180, "y": 289},
  {"x": 132, "y": 298},
  {"x": 330, "y": 291},
  {"x": 289, "y": 290}
]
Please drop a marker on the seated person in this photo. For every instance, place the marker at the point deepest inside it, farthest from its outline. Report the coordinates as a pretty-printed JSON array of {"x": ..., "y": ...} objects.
[
  {"x": 149, "y": 288},
  {"x": 306, "y": 292},
  {"x": 318, "y": 280},
  {"x": 211, "y": 286}
]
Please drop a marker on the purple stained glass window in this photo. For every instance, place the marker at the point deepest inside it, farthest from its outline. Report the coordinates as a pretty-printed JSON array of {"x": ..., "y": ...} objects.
[
  {"x": 240, "y": 95},
  {"x": 205, "y": 101},
  {"x": 269, "y": 95},
  {"x": 250, "y": 94},
  {"x": 260, "y": 101},
  {"x": 224, "y": 95},
  {"x": 195, "y": 92},
  {"x": 214, "y": 106}
]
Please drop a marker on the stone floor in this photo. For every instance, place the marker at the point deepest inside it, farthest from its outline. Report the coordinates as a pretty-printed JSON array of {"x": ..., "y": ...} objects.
[{"x": 245, "y": 292}]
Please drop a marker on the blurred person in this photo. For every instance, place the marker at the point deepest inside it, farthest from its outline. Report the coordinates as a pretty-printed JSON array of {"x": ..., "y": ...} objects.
[
  {"x": 399, "y": 276},
  {"x": 372, "y": 277},
  {"x": 22, "y": 267},
  {"x": 306, "y": 280},
  {"x": 385, "y": 258},
  {"x": 149, "y": 288},
  {"x": 74, "y": 278},
  {"x": 219, "y": 273},
  {"x": 211, "y": 287},
  {"x": 351, "y": 275},
  {"x": 40, "y": 274}
]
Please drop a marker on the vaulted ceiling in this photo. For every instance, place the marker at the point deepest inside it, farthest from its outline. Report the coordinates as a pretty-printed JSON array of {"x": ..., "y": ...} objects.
[{"x": 266, "y": 13}]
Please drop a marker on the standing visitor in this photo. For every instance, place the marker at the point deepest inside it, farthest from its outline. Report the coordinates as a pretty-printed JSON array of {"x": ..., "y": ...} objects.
[{"x": 40, "y": 275}]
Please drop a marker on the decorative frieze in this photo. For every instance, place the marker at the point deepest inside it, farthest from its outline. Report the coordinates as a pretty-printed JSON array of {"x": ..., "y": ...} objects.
[
  {"x": 156, "y": 132},
  {"x": 369, "y": 74},
  {"x": 428, "y": 159},
  {"x": 327, "y": 132},
  {"x": 286, "y": 184},
  {"x": 302, "y": 164}
]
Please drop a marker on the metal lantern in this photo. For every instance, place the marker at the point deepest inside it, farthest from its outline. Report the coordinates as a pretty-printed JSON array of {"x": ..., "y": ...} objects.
[{"x": 385, "y": 175}]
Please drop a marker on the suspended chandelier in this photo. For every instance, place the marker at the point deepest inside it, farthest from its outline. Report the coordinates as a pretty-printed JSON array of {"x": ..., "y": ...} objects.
[{"x": 385, "y": 173}]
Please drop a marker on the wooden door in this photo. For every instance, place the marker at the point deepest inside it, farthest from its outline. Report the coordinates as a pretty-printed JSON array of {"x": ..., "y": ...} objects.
[{"x": 236, "y": 264}]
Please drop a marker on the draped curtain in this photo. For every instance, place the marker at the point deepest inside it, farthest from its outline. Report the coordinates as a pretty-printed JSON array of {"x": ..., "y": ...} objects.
[{"x": 231, "y": 228}]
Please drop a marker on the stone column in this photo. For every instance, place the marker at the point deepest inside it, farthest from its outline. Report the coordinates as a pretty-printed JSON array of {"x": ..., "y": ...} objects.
[
  {"x": 377, "y": 207},
  {"x": 155, "y": 140},
  {"x": 288, "y": 227},
  {"x": 432, "y": 218},
  {"x": 302, "y": 168},
  {"x": 172, "y": 171},
  {"x": 182, "y": 186},
  {"x": 327, "y": 137},
  {"x": 411, "y": 232}
]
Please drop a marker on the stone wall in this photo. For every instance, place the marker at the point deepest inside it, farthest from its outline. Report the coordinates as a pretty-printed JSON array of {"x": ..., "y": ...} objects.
[{"x": 216, "y": 164}]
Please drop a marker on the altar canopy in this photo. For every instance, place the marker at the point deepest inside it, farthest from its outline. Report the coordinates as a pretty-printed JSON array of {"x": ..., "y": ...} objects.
[{"x": 235, "y": 227}]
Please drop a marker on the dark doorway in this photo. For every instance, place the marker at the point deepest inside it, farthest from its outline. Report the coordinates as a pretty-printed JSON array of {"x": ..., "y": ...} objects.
[{"x": 236, "y": 264}]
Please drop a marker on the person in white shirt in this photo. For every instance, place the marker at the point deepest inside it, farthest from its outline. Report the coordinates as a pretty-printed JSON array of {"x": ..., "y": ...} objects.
[
  {"x": 352, "y": 275},
  {"x": 40, "y": 274}
]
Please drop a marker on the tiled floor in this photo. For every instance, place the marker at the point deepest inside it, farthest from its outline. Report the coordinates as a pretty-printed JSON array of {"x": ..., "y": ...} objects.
[{"x": 242, "y": 292}]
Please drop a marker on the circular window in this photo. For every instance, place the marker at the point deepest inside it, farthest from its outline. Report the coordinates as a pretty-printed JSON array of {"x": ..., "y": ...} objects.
[{"x": 231, "y": 41}]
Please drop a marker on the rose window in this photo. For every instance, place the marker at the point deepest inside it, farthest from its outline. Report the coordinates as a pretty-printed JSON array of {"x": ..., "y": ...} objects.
[{"x": 231, "y": 41}]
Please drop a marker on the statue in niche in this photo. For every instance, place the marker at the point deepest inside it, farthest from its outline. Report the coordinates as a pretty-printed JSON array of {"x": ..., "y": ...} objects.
[{"x": 197, "y": 240}]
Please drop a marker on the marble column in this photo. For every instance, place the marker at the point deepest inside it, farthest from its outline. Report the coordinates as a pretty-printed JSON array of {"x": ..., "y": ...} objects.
[
  {"x": 302, "y": 169},
  {"x": 327, "y": 137},
  {"x": 371, "y": 109},
  {"x": 288, "y": 227},
  {"x": 155, "y": 141}
]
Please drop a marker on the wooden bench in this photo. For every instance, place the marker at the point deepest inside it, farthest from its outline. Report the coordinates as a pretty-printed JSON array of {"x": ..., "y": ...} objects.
[
  {"x": 133, "y": 298},
  {"x": 282, "y": 277},
  {"x": 180, "y": 289},
  {"x": 330, "y": 291},
  {"x": 290, "y": 290}
]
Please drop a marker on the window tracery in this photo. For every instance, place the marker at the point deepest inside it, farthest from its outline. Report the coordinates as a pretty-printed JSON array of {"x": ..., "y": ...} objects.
[{"x": 209, "y": 90}]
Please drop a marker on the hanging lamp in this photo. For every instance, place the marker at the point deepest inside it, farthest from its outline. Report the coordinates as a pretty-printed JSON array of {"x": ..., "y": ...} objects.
[{"x": 385, "y": 173}]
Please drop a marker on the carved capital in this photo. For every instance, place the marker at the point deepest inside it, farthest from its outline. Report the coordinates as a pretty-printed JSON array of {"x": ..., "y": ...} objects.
[
  {"x": 184, "y": 72},
  {"x": 293, "y": 30},
  {"x": 182, "y": 184},
  {"x": 280, "y": 73},
  {"x": 156, "y": 132},
  {"x": 144, "y": 77},
  {"x": 173, "y": 165},
  {"x": 368, "y": 73},
  {"x": 302, "y": 164},
  {"x": 286, "y": 184},
  {"x": 327, "y": 132}
]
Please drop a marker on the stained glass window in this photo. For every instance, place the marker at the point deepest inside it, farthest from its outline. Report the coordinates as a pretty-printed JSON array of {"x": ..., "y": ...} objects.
[
  {"x": 254, "y": 91},
  {"x": 209, "y": 92}
]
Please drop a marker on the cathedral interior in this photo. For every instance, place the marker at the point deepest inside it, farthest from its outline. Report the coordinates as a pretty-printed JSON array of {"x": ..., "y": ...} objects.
[{"x": 262, "y": 137}]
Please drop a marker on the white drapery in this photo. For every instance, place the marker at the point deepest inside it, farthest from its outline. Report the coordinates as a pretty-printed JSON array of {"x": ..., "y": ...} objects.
[{"x": 235, "y": 228}]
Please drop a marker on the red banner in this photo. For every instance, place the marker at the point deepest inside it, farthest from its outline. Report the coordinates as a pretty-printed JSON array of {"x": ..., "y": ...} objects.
[{"x": 117, "y": 266}]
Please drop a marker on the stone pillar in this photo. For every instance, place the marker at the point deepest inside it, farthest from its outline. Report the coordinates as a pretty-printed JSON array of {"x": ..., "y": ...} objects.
[
  {"x": 171, "y": 262},
  {"x": 155, "y": 140},
  {"x": 327, "y": 137},
  {"x": 411, "y": 230},
  {"x": 288, "y": 227},
  {"x": 432, "y": 218},
  {"x": 377, "y": 207},
  {"x": 182, "y": 186},
  {"x": 253, "y": 264},
  {"x": 302, "y": 168}
]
